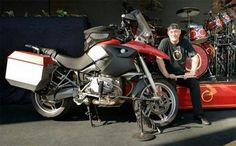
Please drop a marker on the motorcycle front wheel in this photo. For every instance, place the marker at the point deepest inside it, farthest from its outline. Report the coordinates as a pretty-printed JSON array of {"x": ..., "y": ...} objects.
[
  {"x": 156, "y": 112},
  {"x": 52, "y": 108}
]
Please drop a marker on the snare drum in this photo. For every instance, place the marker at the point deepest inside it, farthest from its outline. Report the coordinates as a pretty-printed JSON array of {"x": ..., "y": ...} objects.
[
  {"x": 215, "y": 24},
  {"x": 197, "y": 34},
  {"x": 203, "y": 60}
]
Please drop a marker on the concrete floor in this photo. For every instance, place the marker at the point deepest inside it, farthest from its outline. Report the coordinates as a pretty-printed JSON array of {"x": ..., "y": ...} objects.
[{"x": 21, "y": 125}]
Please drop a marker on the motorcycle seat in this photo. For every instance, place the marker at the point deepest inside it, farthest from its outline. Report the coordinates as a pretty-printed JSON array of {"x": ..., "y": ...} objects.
[{"x": 75, "y": 63}]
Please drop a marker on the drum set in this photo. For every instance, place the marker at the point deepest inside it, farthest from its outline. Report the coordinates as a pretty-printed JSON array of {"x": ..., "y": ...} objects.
[{"x": 213, "y": 41}]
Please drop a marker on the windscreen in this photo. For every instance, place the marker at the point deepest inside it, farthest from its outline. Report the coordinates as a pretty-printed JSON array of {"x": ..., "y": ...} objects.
[{"x": 144, "y": 33}]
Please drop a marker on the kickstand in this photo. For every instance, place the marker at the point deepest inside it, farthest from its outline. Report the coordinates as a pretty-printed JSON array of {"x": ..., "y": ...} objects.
[
  {"x": 143, "y": 136},
  {"x": 96, "y": 112},
  {"x": 90, "y": 114},
  {"x": 157, "y": 130}
]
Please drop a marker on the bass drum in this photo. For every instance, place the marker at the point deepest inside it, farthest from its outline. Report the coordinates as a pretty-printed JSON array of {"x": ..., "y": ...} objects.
[
  {"x": 210, "y": 49},
  {"x": 203, "y": 60}
]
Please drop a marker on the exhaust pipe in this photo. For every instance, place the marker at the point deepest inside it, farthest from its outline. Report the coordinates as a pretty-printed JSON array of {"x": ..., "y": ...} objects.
[{"x": 66, "y": 93}]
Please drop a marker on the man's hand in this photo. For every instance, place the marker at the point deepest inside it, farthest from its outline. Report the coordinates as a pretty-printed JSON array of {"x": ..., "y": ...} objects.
[
  {"x": 172, "y": 76},
  {"x": 189, "y": 74}
]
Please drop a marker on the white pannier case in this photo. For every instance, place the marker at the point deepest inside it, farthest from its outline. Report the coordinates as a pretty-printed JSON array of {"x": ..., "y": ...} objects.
[{"x": 28, "y": 70}]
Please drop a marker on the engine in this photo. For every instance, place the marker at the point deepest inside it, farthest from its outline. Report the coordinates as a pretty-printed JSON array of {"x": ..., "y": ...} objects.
[
  {"x": 106, "y": 86},
  {"x": 102, "y": 84}
]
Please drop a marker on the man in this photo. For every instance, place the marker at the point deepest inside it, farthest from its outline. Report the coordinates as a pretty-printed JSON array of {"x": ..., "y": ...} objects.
[{"x": 178, "y": 50}]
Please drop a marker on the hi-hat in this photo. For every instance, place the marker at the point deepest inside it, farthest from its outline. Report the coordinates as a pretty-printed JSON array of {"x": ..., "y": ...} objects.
[{"x": 188, "y": 12}]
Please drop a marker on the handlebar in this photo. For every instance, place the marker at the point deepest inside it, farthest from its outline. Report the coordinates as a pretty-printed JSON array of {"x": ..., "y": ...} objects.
[
  {"x": 33, "y": 47},
  {"x": 40, "y": 50}
]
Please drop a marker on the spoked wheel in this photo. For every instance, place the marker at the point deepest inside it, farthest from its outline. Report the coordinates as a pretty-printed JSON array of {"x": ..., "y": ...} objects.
[
  {"x": 51, "y": 108},
  {"x": 156, "y": 112}
]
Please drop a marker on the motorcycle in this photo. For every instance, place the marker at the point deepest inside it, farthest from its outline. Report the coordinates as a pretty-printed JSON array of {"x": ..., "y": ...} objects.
[{"x": 111, "y": 71}]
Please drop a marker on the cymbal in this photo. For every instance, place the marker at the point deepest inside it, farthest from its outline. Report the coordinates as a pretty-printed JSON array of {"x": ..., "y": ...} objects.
[
  {"x": 187, "y": 12},
  {"x": 226, "y": 1},
  {"x": 230, "y": 5}
]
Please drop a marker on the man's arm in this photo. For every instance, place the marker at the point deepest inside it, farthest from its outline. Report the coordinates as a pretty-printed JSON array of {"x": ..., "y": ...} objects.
[{"x": 162, "y": 67}]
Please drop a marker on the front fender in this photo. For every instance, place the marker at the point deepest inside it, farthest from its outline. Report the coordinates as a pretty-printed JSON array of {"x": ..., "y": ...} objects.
[{"x": 139, "y": 86}]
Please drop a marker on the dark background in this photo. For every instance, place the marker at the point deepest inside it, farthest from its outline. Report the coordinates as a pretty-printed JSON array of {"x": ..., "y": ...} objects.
[{"x": 63, "y": 34}]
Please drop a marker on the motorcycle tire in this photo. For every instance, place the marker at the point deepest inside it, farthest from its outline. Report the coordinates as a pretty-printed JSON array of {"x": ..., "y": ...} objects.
[
  {"x": 55, "y": 109},
  {"x": 156, "y": 113}
]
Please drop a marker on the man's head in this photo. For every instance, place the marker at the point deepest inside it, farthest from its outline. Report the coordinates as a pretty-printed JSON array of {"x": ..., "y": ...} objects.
[{"x": 174, "y": 32}]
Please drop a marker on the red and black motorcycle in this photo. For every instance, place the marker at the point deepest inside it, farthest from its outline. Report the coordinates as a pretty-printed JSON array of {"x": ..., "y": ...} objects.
[{"x": 111, "y": 71}]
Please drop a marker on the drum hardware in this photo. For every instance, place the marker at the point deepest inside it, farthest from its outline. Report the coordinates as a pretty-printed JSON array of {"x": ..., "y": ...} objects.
[
  {"x": 186, "y": 22},
  {"x": 220, "y": 67},
  {"x": 225, "y": 56},
  {"x": 229, "y": 48},
  {"x": 208, "y": 13},
  {"x": 233, "y": 28},
  {"x": 221, "y": 30},
  {"x": 209, "y": 69},
  {"x": 228, "y": 63}
]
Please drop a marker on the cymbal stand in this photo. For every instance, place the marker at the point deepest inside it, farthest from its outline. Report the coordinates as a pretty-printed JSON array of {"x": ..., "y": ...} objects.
[{"x": 188, "y": 27}]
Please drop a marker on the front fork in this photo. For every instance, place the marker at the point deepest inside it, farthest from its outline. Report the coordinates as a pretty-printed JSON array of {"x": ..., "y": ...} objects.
[
  {"x": 149, "y": 76},
  {"x": 143, "y": 134}
]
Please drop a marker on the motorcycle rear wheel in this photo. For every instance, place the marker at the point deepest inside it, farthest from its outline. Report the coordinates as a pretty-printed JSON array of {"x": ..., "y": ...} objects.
[
  {"x": 52, "y": 108},
  {"x": 156, "y": 112}
]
